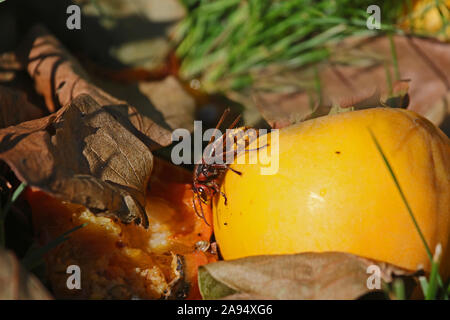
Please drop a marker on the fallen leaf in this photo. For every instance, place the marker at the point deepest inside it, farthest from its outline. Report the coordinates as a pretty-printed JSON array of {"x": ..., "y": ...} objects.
[
  {"x": 59, "y": 78},
  {"x": 16, "y": 108},
  {"x": 323, "y": 276},
  {"x": 14, "y": 76},
  {"x": 9, "y": 66},
  {"x": 363, "y": 100},
  {"x": 165, "y": 101},
  {"x": 356, "y": 69},
  {"x": 16, "y": 283},
  {"x": 175, "y": 104},
  {"x": 85, "y": 154}
]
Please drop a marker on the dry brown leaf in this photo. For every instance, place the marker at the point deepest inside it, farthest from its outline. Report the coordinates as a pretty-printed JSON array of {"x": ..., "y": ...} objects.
[
  {"x": 60, "y": 79},
  {"x": 329, "y": 275},
  {"x": 85, "y": 154},
  {"x": 15, "y": 107},
  {"x": 370, "y": 97},
  {"x": 359, "y": 68},
  {"x": 9, "y": 66},
  {"x": 165, "y": 101},
  {"x": 14, "y": 76},
  {"x": 174, "y": 103},
  {"x": 16, "y": 283}
]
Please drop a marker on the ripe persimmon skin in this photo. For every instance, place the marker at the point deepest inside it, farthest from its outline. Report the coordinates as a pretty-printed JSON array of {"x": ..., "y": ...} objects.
[{"x": 333, "y": 192}]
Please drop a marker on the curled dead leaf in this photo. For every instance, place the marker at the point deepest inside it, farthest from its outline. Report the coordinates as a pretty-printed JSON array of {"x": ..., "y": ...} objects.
[
  {"x": 95, "y": 150},
  {"x": 59, "y": 78},
  {"x": 85, "y": 154},
  {"x": 9, "y": 67},
  {"x": 16, "y": 108},
  {"x": 312, "y": 276}
]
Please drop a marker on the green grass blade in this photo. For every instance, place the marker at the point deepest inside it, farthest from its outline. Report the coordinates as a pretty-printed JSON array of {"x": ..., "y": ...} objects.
[
  {"x": 433, "y": 285},
  {"x": 399, "y": 289},
  {"x": 4, "y": 211},
  {"x": 33, "y": 258},
  {"x": 405, "y": 201},
  {"x": 13, "y": 198},
  {"x": 388, "y": 78},
  {"x": 432, "y": 289},
  {"x": 423, "y": 284},
  {"x": 394, "y": 57},
  {"x": 400, "y": 190}
]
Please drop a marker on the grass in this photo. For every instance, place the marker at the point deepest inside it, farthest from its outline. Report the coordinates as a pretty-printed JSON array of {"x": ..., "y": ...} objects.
[
  {"x": 5, "y": 209},
  {"x": 429, "y": 287},
  {"x": 34, "y": 257},
  {"x": 394, "y": 57},
  {"x": 399, "y": 289},
  {"x": 226, "y": 44}
]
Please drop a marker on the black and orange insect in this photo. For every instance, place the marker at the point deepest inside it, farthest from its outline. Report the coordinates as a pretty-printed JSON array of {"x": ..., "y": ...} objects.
[{"x": 207, "y": 174}]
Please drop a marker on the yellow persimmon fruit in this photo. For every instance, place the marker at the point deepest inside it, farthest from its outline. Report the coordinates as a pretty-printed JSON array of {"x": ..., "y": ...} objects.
[{"x": 333, "y": 192}]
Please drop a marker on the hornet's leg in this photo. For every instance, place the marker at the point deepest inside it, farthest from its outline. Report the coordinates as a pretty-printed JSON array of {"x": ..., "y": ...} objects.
[
  {"x": 201, "y": 214},
  {"x": 224, "y": 197},
  {"x": 216, "y": 188}
]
